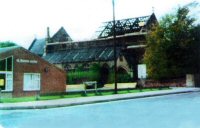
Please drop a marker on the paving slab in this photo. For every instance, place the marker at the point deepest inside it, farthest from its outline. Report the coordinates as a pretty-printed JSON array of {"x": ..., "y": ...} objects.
[{"x": 89, "y": 100}]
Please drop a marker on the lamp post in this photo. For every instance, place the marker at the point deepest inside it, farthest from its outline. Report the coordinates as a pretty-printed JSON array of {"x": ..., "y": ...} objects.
[{"x": 114, "y": 46}]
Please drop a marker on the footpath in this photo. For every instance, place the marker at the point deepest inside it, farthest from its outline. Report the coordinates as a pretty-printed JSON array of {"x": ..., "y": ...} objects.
[{"x": 93, "y": 99}]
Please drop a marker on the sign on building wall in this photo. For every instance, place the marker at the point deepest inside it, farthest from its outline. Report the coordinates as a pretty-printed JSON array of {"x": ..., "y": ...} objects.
[
  {"x": 27, "y": 61},
  {"x": 142, "y": 71}
]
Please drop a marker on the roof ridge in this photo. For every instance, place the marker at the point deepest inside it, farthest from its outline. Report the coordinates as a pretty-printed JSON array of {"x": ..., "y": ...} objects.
[
  {"x": 6, "y": 49},
  {"x": 128, "y": 18},
  {"x": 10, "y": 47}
]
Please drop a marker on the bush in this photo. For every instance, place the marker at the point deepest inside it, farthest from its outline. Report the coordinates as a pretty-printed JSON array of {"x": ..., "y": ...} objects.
[
  {"x": 121, "y": 78},
  {"x": 124, "y": 78},
  {"x": 80, "y": 75},
  {"x": 7, "y": 44},
  {"x": 93, "y": 74}
]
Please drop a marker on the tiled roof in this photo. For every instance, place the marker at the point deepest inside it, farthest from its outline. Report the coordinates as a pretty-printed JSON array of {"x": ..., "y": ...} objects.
[
  {"x": 82, "y": 55},
  {"x": 61, "y": 36},
  {"x": 37, "y": 46}
]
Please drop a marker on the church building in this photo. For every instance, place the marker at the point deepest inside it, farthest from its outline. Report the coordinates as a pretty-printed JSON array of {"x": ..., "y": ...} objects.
[{"x": 67, "y": 54}]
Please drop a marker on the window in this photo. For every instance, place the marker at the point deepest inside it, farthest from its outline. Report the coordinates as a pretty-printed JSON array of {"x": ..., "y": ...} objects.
[
  {"x": 31, "y": 81},
  {"x": 121, "y": 58},
  {"x": 6, "y": 64},
  {"x": 2, "y": 65},
  {"x": 6, "y": 74},
  {"x": 6, "y": 81},
  {"x": 9, "y": 64},
  {"x": 9, "y": 82}
]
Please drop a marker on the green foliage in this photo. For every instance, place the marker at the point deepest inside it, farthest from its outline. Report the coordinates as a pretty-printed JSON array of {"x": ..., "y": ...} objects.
[
  {"x": 121, "y": 77},
  {"x": 124, "y": 78},
  {"x": 111, "y": 77},
  {"x": 74, "y": 77},
  {"x": 73, "y": 95},
  {"x": 6, "y": 44},
  {"x": 171, "y": 47},
  {"x": 93, "y": 74},
  {"x": 80, "y": 75},
  {"x": 95, "y": 67}
]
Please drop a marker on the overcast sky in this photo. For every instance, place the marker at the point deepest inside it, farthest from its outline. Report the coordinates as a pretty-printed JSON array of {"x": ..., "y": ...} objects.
[{"x": 23, "y": 20}]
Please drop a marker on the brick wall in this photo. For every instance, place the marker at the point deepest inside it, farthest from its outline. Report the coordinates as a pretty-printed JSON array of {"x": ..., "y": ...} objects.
[
  {"x": 171, "y": 83},
  {"x": 52, "y": 79}
]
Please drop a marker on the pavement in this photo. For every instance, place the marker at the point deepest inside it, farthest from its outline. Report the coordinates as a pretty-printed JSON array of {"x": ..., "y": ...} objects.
[{"x": 94, "y": 99}]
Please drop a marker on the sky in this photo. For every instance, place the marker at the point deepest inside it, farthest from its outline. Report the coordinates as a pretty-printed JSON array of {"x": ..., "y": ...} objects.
[{"x": 23, "y": 20}]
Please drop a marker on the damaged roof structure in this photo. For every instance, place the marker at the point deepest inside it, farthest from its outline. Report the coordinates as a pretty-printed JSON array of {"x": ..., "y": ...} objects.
[
  {"x": 124, "y": 26},
  {"x": 130, "y": 34}
]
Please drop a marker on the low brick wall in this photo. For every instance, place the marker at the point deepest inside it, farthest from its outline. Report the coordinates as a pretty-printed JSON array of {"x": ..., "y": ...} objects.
[{"x": 170, "y": 83}]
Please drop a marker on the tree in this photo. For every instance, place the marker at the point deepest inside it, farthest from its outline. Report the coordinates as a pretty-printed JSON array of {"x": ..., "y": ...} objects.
[
  {"x": 6, "y": 44},
  {"x": 171, "y": 47}
]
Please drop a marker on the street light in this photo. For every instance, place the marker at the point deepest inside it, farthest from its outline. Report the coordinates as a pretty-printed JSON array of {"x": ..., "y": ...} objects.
[{"x": 114, "y": 44}]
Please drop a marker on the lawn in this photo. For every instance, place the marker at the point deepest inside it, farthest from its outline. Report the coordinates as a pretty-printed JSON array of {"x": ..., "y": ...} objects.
[{"x": 74, "y": 95}]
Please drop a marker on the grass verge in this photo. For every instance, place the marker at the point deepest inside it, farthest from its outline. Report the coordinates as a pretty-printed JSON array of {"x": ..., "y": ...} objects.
[{"x": 75, "y": 95}]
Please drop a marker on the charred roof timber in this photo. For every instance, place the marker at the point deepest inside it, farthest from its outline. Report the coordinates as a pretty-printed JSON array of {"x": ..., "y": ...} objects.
[{"x": 125, "y": 26}]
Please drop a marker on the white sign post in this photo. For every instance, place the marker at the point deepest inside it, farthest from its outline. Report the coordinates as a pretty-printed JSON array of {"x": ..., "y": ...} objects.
[
  {"x": 142, "y": 73},
  {"x": 190, "y": 80}
]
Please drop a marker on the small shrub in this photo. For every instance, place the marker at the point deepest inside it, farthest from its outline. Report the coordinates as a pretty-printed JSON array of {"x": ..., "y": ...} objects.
[
  {"x": 80, "y": 75},
  {"x": 124, "y": 78},
  {"x": 121, "y": 77}
]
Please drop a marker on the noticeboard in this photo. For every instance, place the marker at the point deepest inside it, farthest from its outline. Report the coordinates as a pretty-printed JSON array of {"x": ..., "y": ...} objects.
[
  {"x": 1, "y": 82},
  {"x": 142, "y": 71}
]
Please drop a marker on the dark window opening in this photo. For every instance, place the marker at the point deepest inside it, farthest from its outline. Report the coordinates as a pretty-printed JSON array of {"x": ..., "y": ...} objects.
[
  {"x": 9, "y": 64},
  {"x": 121, "y": 58},
  {"x": 3, "y": 65},
  {"x": 6, "y": 64}
]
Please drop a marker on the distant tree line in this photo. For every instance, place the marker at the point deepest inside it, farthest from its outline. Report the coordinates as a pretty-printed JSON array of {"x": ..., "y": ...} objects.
[{"x": 6, "y": 44}]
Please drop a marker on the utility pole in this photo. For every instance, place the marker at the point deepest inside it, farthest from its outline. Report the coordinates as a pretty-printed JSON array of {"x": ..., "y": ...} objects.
[{"x": 114, "y": 44}]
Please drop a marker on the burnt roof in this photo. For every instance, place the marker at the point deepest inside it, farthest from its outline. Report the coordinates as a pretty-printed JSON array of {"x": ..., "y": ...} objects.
[
  {"x": 82, "y": 55},
  {"x": 37, "y": 46},
  {"x": 124, "y": 26}
]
